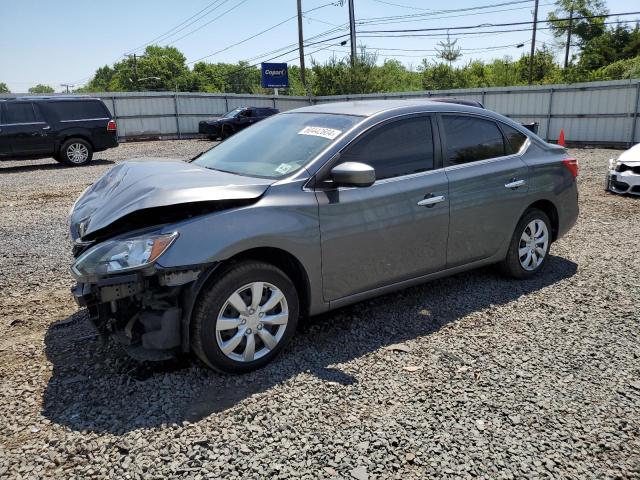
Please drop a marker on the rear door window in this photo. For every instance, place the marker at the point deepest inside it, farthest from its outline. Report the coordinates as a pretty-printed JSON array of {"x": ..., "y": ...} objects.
[
  {"x": 398, "y": 148},
  {"x": 470, "y": 139},
  {"x": 515, "y": 139},
  {"x": 19, "y": 112},
  {"x": 80, "y": 110}
]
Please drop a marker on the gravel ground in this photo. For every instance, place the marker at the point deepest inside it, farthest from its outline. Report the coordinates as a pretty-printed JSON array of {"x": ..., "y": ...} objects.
[{"x": 471, "y": 376}]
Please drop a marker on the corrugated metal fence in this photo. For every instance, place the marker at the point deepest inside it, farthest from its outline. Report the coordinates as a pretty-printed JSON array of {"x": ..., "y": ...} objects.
[{"x": 604, "y": 113}]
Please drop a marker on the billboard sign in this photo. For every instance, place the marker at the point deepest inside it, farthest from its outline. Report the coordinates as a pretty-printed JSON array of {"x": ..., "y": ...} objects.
[{"x": 274, "y": 75}]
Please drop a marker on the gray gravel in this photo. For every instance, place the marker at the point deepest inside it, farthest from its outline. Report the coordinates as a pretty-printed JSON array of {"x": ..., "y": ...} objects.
[{"x": 474, "y": 376}]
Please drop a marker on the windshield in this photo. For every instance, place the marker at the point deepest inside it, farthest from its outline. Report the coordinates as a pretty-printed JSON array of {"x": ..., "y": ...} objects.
[
  {"x": 277, "y": 146},
  {"x": 233, "y": 112}
]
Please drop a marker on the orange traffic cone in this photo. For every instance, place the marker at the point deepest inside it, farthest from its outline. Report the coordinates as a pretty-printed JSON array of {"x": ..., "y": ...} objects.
[{"x": 561, "y": 138}]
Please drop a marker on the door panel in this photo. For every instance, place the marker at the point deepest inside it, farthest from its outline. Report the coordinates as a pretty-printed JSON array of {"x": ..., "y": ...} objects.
[
  {"x": 483, "y": 211},
  {"x": 488, "y": 189},
  {"x": 23, "y": 130},
  {"x": 379, "y": 235}
]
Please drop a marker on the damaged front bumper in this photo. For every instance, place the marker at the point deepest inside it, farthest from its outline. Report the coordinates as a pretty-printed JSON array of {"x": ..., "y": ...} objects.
[
  {"x": 147, "y": 314},
  {"x": 210, "y": 129},
  {"x": 623, "y": 182}
]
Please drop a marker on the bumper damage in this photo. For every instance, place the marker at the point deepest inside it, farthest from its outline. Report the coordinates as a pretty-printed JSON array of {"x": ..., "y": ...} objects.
[
  {"x": 625, "y": 182},
  {"x": 148, "y": 315}
]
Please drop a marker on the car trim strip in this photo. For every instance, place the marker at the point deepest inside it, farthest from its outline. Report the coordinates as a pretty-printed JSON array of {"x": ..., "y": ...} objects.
[
  {"x": 85, "y": 119},
  {"x": 25, "y": 123}
]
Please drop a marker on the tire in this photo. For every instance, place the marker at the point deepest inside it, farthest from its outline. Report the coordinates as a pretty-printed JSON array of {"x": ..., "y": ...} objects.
[
  {"x": 75, "y": 152},
  {"x": 226, "y": 132},
  {"x": 528, "y": 264},
  {"x": 239, "y": 330}
]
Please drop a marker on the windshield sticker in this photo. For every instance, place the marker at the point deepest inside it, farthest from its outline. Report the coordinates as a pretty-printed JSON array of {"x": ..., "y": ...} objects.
[
  {"x": 329, "y": 133},
  {"x": 283, "y": 168}
]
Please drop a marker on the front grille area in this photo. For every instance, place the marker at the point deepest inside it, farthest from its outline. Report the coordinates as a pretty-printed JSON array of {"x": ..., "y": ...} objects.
[
  {"x": 620, "y": 186},
  {"x": 625, "y": 168}
]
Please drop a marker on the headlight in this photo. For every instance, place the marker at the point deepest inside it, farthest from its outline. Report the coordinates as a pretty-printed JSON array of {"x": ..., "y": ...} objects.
[{"x": 115, "y": 256}]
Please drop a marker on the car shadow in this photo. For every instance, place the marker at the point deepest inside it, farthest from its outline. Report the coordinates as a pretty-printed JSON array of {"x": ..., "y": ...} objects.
[
  {"x": 96, "y": 387},
  {"x": 48, "y": 166}
]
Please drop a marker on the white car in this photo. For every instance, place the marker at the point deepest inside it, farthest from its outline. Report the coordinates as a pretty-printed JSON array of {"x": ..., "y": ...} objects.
[{"x": 624, "y": 172}]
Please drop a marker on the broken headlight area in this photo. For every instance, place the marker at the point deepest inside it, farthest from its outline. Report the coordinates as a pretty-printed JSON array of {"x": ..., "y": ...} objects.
[
  {"x": 623, "y": 178},
  {"x": 142, "y": 312},
  {"x": 121, "y": 255}
]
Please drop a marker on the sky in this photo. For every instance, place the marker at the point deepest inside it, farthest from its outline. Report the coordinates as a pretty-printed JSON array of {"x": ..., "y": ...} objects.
[{"x": 65, "y": 41}]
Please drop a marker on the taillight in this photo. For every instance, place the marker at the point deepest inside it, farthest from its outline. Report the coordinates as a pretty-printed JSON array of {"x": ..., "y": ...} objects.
[
  {"x": 572, "y": 165},
  {"x": 111, "y": 126}
]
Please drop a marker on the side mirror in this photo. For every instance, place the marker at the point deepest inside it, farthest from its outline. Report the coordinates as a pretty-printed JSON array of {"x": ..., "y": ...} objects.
[{"x": 353, "y": 174}]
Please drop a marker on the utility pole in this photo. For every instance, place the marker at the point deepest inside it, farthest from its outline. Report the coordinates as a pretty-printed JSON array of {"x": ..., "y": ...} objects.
[
  {"x": 566, "y": 50},
  {"x": 135, "y": 69},
  {"x": 533, "y": 41},
  {"x": 66, "y": 85},
  {"x": 352, "y": 32},
  {"x": 301, "y": 47}
]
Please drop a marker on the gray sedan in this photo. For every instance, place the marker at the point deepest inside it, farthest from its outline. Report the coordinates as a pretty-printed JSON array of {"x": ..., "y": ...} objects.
[{"x": 308, "y": 211}]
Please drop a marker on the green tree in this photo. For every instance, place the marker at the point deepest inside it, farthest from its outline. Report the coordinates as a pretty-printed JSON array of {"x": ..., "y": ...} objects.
[
  {"x": 449, "y": 51},
  {"x": 584, "y": 29},
  {"x": 617, "y": 43},
  {"x": 40, "y": 88},
  {"x": 100, "y": 82},
  {"x": 441, "y": 76},
  {"x": 4, "y": 88}
]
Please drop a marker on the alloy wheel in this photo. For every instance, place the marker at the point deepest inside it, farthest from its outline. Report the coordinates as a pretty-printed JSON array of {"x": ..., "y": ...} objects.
[
  {"x": 252, "y": 322},
  {"x": 77, "y": 153},
  {"x": 534, "y": 245}
]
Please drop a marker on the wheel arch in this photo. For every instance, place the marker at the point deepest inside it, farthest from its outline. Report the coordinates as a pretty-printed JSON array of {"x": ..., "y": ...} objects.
[
  {"x": 280, "y": 258},
  {"x": 549, "y": 208},
  {"x": 71, "y": 135}
]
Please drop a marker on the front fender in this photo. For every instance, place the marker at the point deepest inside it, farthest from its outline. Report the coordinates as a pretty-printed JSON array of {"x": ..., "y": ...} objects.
[{"x": 286, "y": 218}]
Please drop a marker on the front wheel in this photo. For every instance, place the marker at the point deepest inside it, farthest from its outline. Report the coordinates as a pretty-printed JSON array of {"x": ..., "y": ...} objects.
[
  {"x": 529, "y": 245},
  {"x": 245, "y": 318},
  {"x": 75, "y": 152}
]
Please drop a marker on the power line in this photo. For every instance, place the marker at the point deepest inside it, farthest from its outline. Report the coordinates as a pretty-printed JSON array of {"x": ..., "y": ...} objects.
[
  {"x": 404, "y": 6},
  {"x": 210, "y": 21},
  {"x": 484, "y": 32},
  {"x": 256, "y": 35},
  {"x": 361, "y": 22},
  {"x": 438, "y": 12},
  {"x": 171, "y": 32},
  {"x": 469, "y": 27}
]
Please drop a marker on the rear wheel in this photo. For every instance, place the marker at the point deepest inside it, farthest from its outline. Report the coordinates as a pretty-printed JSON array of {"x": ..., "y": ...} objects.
[
  {"x": 245, "y": 318},
  {"x": 529, "y": 245},
  {"x": 225, "y": 132},
  {"x": 75, "y": 152}
]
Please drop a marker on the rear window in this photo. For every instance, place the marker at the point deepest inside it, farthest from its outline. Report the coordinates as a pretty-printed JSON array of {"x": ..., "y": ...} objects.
[
  {"x": 515, "y": 139},
  {"x": 18, "y": 112},
  {"x": 470, "y": 139},
  {"x": 80, "y": 110}
]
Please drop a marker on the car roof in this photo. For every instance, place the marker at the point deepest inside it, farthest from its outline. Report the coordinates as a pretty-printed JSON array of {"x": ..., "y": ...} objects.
[
  {"x": 368, "y": 108},
  {"x": 44, "y": 98}
]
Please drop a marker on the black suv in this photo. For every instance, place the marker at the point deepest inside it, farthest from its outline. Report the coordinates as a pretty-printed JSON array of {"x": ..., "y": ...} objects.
[
  {"x": 234, "y": 121},
  {"x": 68, "y": 129}
]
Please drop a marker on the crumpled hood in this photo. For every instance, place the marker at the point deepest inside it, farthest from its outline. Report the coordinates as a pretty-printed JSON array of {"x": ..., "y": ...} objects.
[
  {"x": 142, "y": 184},
  {"x": 631, "y": 156}
]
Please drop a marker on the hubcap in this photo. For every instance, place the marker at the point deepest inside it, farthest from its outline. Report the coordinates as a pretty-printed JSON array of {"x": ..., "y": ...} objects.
[
  {"x": 77, "y": 152},
  {"x": 252, "y": 322},
  {"x": 534, "y": 244}
]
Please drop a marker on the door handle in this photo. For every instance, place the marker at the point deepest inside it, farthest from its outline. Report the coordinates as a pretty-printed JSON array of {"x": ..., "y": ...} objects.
[
  {"x": 515, "y": 184},
  {"x": 431, "y": 201},
  {"x": 46, "y": 127}
]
